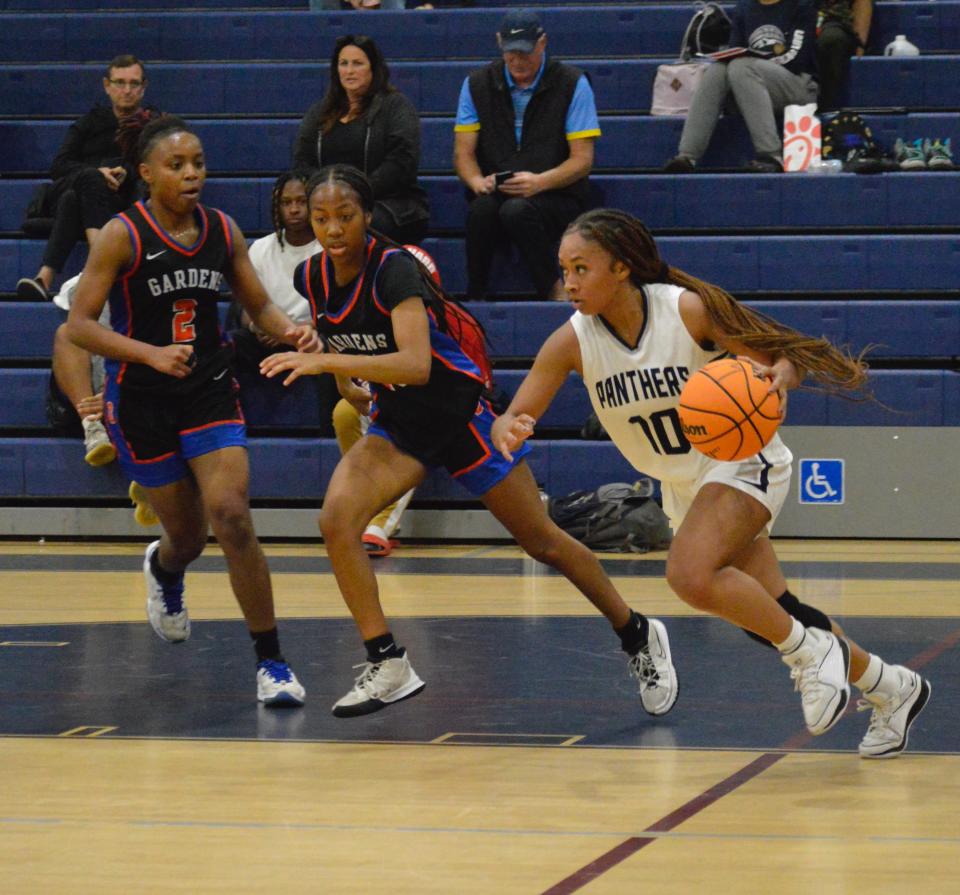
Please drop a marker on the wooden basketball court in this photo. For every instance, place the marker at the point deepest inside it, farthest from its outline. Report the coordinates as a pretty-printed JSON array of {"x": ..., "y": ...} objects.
[{"x": 526, "y": 766}]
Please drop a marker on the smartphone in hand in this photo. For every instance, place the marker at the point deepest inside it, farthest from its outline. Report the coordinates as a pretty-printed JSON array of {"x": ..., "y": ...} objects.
[{"x": 501, "y": 176}]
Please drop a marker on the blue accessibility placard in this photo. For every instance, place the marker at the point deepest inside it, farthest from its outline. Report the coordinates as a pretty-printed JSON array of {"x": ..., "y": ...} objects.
[{"x": 821, "y": 481}]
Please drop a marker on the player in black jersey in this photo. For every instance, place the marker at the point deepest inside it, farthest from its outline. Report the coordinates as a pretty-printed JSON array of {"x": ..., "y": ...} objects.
[
  {"x": 386, "y": 321},
  {"x": 170, "y": 399}
]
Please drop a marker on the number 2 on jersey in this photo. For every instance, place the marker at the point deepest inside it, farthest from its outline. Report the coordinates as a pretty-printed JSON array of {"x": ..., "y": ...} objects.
[
  {"x": 662, "y": 441},
  {"x": 184, "y": 313}
]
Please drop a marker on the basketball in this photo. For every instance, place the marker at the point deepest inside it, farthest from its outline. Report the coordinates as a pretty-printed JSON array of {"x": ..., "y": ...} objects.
[{"x": 726, "y": 411}]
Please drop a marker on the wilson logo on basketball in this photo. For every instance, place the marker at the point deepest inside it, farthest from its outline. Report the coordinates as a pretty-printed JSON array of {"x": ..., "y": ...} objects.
[{"x": 728, "y": 412}]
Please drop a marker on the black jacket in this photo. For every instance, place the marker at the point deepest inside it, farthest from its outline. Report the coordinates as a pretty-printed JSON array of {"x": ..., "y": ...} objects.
[
  {"x": 91, "y": 142},
  {"x": 543, "y": 137},
  {"x": 391, "y": 154}
]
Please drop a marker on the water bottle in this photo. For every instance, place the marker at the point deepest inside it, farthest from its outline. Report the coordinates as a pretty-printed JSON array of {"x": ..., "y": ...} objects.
[
  {"x": 901, "y": 47},
  {"x": 825, "y": 166}
]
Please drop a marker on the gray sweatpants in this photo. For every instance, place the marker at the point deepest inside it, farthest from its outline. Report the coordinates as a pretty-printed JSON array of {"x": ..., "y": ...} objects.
[{"x": 760, "y": 88}]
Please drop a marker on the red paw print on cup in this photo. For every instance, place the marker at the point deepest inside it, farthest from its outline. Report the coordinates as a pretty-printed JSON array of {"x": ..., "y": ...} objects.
[{"x": 801, "y": 143}]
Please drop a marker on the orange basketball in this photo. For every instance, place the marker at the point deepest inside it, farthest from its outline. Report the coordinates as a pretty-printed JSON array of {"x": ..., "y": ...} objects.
[{"x": 726, "y": 412}]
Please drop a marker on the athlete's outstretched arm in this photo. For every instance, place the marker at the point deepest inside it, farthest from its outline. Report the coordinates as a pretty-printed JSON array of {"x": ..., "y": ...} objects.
[
  {"x": 110, "y": 253},
  {"x": 249, "y": 291},
  {"x": 559, "y": 356},
  {"x": 408, "y": 365}
]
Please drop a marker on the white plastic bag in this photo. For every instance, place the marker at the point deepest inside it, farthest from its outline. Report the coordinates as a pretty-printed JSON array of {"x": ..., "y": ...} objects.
[
  {"x": 674, "y": 86},
  {"x": 801, "y": 137}
]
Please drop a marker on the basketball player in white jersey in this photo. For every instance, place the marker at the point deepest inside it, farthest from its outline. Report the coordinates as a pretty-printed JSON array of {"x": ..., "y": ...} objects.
[{"x": 640, "y": 329}]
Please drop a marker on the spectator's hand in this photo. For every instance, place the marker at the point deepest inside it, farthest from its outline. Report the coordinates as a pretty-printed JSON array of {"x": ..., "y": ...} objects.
[
  {"x": 173, "y": 360},
  {"x": 859, "y": 51},
  {"x": 483, "y": 186},
  {"x": 523, "y": 184},
  {"x": 92, "y": 406},
  {"x": 113, "y": 176}
]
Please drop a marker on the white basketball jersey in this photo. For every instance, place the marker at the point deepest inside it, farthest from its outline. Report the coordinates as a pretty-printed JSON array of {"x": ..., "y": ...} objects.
[{"x": 635, "y": 391}]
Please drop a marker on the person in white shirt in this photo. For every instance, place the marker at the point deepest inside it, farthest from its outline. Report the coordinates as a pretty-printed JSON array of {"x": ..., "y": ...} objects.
[{"x": 275, "y": 257}]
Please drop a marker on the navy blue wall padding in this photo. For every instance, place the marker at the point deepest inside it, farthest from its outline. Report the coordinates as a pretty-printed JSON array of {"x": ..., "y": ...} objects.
[{"x": 643, "y": 30}]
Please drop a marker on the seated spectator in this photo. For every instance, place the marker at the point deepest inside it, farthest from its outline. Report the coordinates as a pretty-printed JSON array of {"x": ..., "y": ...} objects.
[
  {"x": 843, "y": 27},
  {"x": 91, "y": 179},
  {"x": 777, "y": 69},
  {"x": 364, "y": 121},
  {"x": 275, "y": 257},
  {"x": 523, "y": 146}
]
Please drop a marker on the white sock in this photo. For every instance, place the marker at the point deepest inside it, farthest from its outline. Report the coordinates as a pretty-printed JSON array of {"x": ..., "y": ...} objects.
[
  {"x": 873, "y": 677},
  {"x": 793, "y": 639}
]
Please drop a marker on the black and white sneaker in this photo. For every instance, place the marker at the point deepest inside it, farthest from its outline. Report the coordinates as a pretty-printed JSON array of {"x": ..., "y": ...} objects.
[
  {"x": 31, "y": 289},
  {"x": 379, "y": 684},
  {"x": 654, "y": 671},
  {"x": 892, "y": 713}
]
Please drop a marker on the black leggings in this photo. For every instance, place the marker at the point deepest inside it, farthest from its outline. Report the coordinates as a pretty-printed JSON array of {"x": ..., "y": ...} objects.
[{"x": 84, "y": 201}]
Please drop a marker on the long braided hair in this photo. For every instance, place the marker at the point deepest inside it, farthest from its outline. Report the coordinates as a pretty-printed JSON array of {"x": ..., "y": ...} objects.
[
  {"x": 627, "y": 240},
  {"x": 450, "y": 316},
  {"x": 296, "y": 174}
]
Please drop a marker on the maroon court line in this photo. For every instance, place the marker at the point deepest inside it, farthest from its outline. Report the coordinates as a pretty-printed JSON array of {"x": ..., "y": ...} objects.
[{"x": 619, "y": 853}]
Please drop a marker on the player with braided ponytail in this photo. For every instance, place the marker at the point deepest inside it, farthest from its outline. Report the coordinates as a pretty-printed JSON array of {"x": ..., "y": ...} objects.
[
  {"x": 388, "y": 323},
  {"x": 641, "y": 328}
]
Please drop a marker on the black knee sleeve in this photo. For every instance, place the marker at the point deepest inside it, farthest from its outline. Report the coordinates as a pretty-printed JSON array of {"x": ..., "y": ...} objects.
[{"x": 808, "y": 616}]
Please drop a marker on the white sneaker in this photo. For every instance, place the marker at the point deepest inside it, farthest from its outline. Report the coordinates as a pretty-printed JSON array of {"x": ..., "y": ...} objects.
[
  {"x": 654, "y": 671},
  {"x": 168, "y": 616},
  {"x": 893, "y": 713},
  {"x": 277, "y": 685},
  {"x": 100, "y": 450},
  {"x": 379, "y": 685},
  {"x": 819, "y": 668}
]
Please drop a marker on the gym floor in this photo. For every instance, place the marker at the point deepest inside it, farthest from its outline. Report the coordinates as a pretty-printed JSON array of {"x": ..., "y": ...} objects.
[{"x": 526, "y": 766}]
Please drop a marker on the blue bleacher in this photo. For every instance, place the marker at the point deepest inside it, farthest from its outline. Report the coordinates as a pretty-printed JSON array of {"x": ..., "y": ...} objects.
[
  {"x": 741, "y": 263},
  {"x": 594, "y": 30},
  {"x": 278, "y": 88},
  {"x": 245, "y": 145}
]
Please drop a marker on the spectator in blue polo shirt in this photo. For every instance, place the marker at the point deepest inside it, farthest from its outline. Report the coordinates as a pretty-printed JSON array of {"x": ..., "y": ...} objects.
[{"x": 523, "y": 146}]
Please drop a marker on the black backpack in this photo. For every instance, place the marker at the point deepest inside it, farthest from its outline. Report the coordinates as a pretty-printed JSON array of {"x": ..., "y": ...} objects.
[
  {"x": 708, "y": 31},
  {"x": 618, "y": 517},
  {"x": 847, "y": 138}
]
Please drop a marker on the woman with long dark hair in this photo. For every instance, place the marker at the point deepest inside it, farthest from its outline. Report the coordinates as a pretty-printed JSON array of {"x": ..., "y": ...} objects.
[
  {"x": 386, "y": 321},
  {"x": 641, "y": 321},
  {"x": 364, "y": 121}
]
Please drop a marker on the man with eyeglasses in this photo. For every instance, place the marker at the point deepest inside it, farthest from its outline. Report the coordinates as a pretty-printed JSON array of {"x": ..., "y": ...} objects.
[{"x": 92, "y": 181}]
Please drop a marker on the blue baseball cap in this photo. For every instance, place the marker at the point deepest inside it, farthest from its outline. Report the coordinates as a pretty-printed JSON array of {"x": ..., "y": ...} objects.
[{"x": 519, "y": 31}]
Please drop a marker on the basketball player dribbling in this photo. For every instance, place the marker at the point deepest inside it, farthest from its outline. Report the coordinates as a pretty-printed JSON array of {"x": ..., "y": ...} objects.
[
  {"x": 170, "y": 399},
  {"x": 640, "y": 328},
  {"x": 387, "y": 322}
]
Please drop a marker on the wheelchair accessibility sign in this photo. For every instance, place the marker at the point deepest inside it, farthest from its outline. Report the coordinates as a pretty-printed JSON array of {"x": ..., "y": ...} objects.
[{"x": 821, "y": 481}]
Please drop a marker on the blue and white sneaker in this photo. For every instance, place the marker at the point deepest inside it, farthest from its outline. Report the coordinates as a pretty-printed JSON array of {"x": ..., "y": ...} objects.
[
  {"x": 277, "y": 685},
  {"x": 168, "y": 616}
]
